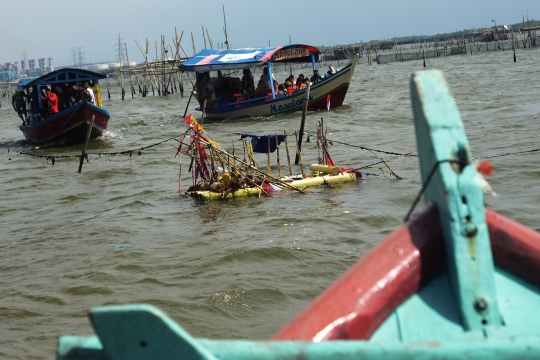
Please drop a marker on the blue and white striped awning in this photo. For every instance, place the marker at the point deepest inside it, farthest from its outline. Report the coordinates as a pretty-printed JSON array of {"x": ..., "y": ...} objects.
[{"x": 232, "y": 59}]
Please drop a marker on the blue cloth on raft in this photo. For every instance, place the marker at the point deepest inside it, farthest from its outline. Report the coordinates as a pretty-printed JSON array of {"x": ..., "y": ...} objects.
[{"x": 260, "y": 143}]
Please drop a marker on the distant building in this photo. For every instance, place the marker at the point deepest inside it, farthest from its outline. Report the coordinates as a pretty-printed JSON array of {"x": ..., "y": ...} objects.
[{"x": 8, "y": 75}]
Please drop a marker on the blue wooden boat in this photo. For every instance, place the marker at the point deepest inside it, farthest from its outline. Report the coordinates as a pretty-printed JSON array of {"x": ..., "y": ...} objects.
[
  {"x": 455, "y": 282},
  {"x": 221, "y": 103}
]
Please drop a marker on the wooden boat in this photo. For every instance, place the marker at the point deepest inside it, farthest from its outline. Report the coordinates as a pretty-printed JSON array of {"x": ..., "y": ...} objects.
[
  {"x": 457, "y": 281},
  {"x": 221, "y": 104},
  {"x": 71, "y": 122}
]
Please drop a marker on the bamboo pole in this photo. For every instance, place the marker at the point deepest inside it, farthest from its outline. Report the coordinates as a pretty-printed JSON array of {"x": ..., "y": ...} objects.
[
  {"x": 88, "y": 133},
  {"x": 513, "y": 45},
  {"x": 204, "y": 37},
  {"x": 235, "y": 159},
  {"x": 209, "y": 40},
  {"x": 299, "y": 156},
  {"x": 278, "y": 160},
  {"x": 302, "y": 123},
  {"x": 268, "y": 170},
  {"x": 287, "y": 150},
  {"x": 129, "y": 71},
  {"x": 120, "y": 72}
]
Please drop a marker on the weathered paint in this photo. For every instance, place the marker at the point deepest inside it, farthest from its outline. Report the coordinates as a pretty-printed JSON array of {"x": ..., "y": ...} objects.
[{"x": 455, "y": 189}]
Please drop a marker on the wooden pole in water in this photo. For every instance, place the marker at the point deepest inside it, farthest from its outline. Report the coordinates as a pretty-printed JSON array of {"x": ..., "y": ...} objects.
[
  {"x": 287, "y": 149},
  {"x": 278, "y": 161},
  {"x": 513, "y": 45},
  {"x": 203, "y": 111},
  {"x": 145, "y": 87},
  {"x": 107, "y": 82},
  {"x": 298, "y": 156},
  {"x": 120, "y": 72},
  {"x": 301, "y": 132},
  {"x": 190, "y": 96},
  {"x": 88, "y": 133},
  {"x": 129, "y": 71},
  {"x": 268, "y": 153},
  {"x": 209, "y": 40},
  {"x": 204, "y": 37}
]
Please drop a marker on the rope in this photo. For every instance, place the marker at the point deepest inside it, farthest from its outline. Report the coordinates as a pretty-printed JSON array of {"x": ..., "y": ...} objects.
[
  {"x": 431, "y": 173},
  {"x": 53, "y": 158},
  {"x": 330, "y": 141},
  {"x": 512, "y": 153}
]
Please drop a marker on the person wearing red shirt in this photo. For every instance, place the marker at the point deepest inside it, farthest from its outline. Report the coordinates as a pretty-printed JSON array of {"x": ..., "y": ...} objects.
[{"x": 52, "y": 100}]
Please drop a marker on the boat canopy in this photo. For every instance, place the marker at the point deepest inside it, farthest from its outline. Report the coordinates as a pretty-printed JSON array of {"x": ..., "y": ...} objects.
[
  {"x": 232, "y": 59},
  {"x": 62, "y": 76}
]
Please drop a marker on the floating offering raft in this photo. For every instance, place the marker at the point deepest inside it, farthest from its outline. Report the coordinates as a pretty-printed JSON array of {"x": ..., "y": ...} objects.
[{"x": 218, "y": 174}]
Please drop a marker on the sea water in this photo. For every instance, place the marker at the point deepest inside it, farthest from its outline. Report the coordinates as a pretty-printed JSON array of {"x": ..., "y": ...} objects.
[{"x": 234, "y": 269}]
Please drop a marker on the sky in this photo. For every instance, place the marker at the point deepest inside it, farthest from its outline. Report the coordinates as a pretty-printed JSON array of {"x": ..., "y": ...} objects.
[{"x": 58, "y": 28}]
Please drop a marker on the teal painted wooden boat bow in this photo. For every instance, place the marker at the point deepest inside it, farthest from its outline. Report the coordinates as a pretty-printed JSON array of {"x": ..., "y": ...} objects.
[{"x": 457, "y": 281}]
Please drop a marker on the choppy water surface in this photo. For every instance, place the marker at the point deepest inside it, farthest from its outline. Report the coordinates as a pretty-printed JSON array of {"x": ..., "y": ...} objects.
[{"x": 233, "y": 269}]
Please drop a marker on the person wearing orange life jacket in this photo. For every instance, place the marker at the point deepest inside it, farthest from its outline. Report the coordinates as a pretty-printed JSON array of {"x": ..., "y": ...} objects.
[
  {"x": 289, "y": 85},
  {"x": 299, "y": 81},
  {"x": 239, "y": 97},
  {"x": 268, "y": 94},
  {"x": 260, "y": 91},
  {"x": 302, "y": 85}
]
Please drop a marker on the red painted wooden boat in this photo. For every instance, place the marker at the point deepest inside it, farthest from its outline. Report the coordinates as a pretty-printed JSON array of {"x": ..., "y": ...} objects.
[{"x": 71, "y": 122}]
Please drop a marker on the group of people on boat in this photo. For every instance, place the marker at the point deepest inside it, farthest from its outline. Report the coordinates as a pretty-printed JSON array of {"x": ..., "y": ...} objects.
[
  {"x": 234, "y": 92},
  {"x": 53, "y": 100}
]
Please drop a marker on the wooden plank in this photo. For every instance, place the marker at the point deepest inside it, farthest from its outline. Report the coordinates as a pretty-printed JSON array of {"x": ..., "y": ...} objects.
[{"x": 450, "y": 180}]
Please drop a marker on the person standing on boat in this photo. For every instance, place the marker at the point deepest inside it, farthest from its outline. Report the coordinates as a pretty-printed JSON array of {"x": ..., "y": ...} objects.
[
  {"x": 51, "y": 99},
  {"x": 19, "y": 104},
  {"x": 91, "y": 92},
  {"x": 316, "y": 77},
  {"x": 200, "y": 86},
  {"x": 265, "y": 77},
  {"x": 76, "y": 91},
  {"x": 86, "y": 95},
  {"x": 248, "y": 81}
]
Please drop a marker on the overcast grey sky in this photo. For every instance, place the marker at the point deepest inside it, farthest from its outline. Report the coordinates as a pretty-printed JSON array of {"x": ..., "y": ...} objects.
[{"x": 53, "y": 28}]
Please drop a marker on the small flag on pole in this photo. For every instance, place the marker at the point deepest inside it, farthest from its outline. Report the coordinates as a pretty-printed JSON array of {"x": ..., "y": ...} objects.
[{"x": 328, "y": 102}]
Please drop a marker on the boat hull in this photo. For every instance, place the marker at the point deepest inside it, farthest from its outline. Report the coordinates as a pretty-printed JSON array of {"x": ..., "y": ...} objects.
[
  {"x": 335, "y": 85},
  {"x": 71, "y": 123},
  {"x": 410, "y": 258}
]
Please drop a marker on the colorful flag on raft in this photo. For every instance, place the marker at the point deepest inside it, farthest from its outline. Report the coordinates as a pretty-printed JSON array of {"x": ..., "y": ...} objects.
[
  {"x": 193, "y": 123},
  {"x": 190, "y": 121}
]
